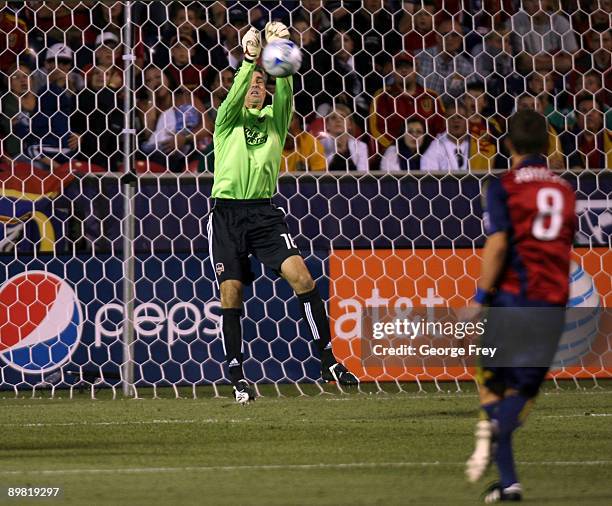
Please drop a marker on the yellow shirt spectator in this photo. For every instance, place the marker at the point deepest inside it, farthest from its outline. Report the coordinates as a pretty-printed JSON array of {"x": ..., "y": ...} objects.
[{"x": 302, "y": 150}]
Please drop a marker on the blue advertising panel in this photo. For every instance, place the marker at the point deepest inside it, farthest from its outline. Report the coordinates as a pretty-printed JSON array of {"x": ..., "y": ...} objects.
[
  {"x": 79, "y": 331},
  {"x": 324, "y": 212},
  {"x": 382, "y": 211}
]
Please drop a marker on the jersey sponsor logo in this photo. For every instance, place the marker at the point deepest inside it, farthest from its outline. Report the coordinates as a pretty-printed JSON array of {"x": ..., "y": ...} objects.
[
  {"x": 255, "y": 137},
  {"x": 40, "y": 322}
]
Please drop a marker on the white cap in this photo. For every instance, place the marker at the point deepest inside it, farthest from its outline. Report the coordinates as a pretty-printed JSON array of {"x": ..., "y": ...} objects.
[
  {"x": 59, "y": 52},
  {"x": 105, "y": 38}
]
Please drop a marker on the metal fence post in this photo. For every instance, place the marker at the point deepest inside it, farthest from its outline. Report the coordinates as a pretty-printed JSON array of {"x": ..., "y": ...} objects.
[{"x": 128, "y": 186}]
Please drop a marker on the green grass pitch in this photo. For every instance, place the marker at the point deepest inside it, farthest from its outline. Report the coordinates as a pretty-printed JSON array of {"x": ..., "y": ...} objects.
[{"x": 353, "y": 449}]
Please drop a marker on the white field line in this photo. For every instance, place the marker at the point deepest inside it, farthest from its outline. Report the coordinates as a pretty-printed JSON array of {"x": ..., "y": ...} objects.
[
  {"x": 368, "y": 396},
  {"x": 579, "y": 415},
  {"x": 277, "y": 467},
  {"x": 381, "y": 396},
  {"x": 394, "y": 396},
  {"x": 389, "y": 396},
  {"x": 127, "y": 422},
  {"x": 578, "y": 392},
  {"x": 229, "y": 420}
]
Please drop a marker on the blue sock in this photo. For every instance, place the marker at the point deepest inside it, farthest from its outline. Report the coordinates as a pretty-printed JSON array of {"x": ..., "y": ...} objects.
[
  {"x": 507, "y": 417},
  {"x": 505, "y": 461},
  {"x": 508, "y": 412}
]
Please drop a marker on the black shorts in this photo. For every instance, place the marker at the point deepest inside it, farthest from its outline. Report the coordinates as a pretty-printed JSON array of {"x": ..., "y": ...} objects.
[{"x": 239, "y": 228}]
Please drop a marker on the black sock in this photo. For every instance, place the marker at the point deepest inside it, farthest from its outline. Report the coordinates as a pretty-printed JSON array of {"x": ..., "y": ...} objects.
[
  {"x": 313, "y": 312},
  {"x": 232, "y": 340}
]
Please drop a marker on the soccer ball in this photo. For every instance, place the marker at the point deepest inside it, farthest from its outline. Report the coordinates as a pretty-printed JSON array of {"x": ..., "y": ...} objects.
[{"x": 281, "y": 58}]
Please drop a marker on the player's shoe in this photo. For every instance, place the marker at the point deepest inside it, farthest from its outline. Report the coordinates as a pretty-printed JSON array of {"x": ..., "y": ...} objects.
[
  {"x": 479, "y": 462},
  {"x": 340, "y": 374},
  {"x": 243, "y": 392},
  {"x": 496, "y": 493}
]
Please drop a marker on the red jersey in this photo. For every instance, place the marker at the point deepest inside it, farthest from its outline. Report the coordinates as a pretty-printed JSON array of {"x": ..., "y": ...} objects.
[
  {"x": 537, "y": 210},
  {"x": 388, "y": 113}
]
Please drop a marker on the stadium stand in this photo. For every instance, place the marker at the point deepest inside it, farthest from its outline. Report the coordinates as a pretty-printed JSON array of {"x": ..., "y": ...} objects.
[{"x": 386, "y": 61}]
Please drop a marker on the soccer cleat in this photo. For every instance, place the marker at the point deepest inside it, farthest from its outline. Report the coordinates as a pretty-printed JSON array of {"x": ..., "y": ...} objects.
[
  {"x": 496, "y": 493},
  {"x": 243, "y": 392},
  {"x": 479, "y": 462},
  {"x": 340, "y": 374}
]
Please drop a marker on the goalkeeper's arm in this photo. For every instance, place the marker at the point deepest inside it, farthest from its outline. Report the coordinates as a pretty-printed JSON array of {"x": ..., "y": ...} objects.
[
  {"x": 282, "y": 104},
  {"x": 231, "y": 108}
]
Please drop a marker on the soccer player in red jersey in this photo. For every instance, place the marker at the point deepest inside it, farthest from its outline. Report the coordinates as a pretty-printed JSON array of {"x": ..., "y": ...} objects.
[{"x": 530, "y": 222}]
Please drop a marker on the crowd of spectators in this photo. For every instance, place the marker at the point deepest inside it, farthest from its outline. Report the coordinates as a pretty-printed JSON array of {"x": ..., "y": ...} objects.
[{"x": 392, "y": 85}]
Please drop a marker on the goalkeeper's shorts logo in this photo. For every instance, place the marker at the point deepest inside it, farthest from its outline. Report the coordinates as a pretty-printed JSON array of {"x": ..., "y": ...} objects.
[
  {"x": 40, "y": 322},
  {"x": 219, "y": 268}
]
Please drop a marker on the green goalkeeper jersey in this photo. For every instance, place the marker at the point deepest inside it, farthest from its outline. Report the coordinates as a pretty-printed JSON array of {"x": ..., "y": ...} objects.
[{"x": 249, "y": 142}]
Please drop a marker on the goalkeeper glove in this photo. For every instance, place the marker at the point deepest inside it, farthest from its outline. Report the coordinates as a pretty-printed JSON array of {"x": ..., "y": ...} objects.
[
  {"x": 276, "y": 30},
  {"x": 251, "y": 44}
]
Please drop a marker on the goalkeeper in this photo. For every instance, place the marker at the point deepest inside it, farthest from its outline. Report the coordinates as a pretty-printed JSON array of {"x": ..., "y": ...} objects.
[{"x": 248, "y": 143}]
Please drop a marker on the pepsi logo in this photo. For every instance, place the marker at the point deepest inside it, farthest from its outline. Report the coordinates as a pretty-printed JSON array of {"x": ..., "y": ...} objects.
[{"x": 40, "y": 322}]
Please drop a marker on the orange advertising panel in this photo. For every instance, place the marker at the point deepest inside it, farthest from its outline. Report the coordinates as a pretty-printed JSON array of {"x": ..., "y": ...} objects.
[{"x": 426, "y": 278}]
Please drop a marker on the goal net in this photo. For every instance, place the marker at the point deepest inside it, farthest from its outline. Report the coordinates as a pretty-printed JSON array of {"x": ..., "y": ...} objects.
[{"x": 107, "y": 116}]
